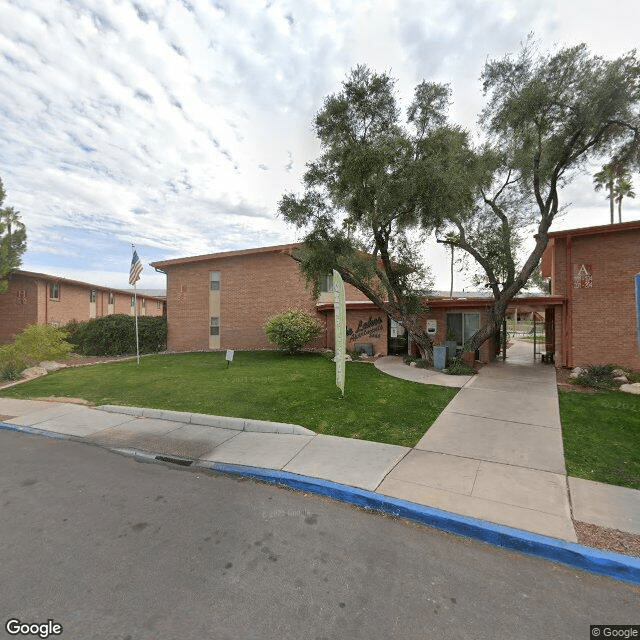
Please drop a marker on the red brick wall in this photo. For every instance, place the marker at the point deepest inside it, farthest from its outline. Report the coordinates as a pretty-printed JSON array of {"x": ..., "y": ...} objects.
[
  {"x": 253, "y": 287},
  {"x": 486, "y": 351},
  {"x": 603, "y": 321},
  {"x": 38, "y": 307},
  {"x": 363, "y": 326},
  {"x": 18, "y": 307}
]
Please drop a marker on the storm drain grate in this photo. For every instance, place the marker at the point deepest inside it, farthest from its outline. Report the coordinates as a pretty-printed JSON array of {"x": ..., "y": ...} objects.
[{"x": 180, "y": 461}]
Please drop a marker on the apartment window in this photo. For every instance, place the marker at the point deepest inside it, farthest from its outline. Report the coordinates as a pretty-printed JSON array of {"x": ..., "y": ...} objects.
[
  {"x": 92, "y": 295},
  {"x": 54, "y": 291},
  {"x": 112, "y": 298},
  {"x": 133, "y": 301},
  {"x": 144, "y": 303},
  {"x": 214, "y": 279},
  {"x": 214, "y": 329},
  {"x": 325, "y": 284},
  {"x": 158, "y": 304},
  {"x": 464, "y": 325}
]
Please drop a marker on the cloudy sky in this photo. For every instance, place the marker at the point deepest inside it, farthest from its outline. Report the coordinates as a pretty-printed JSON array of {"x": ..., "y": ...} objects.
[{"x": 177, "y": 125}]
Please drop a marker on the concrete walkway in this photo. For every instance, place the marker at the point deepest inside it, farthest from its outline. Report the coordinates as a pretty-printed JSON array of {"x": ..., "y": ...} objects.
[
  {"x": 394, "y": 366},
  {"x": 495, "y": 453}
]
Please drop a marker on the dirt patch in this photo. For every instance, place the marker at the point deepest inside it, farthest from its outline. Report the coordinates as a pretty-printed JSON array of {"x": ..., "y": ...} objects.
[{"x": 592, "y": 535}]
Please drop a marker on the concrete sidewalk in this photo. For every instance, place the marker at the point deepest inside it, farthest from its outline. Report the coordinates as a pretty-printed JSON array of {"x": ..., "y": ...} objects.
[{"x": 494, "y": 454}]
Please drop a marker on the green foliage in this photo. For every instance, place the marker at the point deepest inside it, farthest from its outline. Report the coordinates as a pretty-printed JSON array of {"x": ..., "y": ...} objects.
[
  {"x": 458, "y": 368},
  {"x": 600, "y": 436},
  {"x": 10, "y": 371},
  {"x": 262, "y": 385},
  {"x": 597, "y": 377},
  {"x": 292, "y": 330},
  {"x": 13, "y": 241},
  {"x": 408, "y": 359},
  {"x": 115, "y": 335},
  {"x": 377, "y": 186},
  {"x": 421, "y": 363},
  {"x": 34, "y": 344}
]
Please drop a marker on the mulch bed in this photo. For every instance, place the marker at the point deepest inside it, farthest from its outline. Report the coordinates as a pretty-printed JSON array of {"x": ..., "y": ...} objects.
[{"x": 597, "y": 537}]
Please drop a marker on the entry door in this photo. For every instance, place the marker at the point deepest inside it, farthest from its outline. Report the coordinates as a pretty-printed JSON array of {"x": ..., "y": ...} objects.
[{"x": 398, "y": 342}]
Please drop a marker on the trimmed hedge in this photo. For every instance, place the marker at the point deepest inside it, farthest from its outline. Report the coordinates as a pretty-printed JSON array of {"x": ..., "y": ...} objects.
[{"x": 115, "y": 335}]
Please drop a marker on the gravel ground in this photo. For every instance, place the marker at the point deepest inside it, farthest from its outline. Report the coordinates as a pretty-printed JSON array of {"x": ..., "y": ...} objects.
[{"x": 590, "y": 535}]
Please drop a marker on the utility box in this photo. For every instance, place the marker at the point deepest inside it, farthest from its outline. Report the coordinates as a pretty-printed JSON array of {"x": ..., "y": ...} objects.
[{"x": 439, "y": 357}]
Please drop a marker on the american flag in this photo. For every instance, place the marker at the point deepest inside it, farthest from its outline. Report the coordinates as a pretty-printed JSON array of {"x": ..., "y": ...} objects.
[{"x": 136, "y": 268}]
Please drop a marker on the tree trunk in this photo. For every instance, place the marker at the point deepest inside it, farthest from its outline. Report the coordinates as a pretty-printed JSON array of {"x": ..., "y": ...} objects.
[
  {"x": 611, "y": 200},
  {"x": 620, "y": 209},
  {"x": 451, "y": 290},
  {"x": 425, "y": 344}
]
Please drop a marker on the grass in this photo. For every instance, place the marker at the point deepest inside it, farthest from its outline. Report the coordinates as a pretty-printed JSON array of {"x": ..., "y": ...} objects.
[
  {"x": 601, "y": 433},
  {"x": 260, "y": 385}
]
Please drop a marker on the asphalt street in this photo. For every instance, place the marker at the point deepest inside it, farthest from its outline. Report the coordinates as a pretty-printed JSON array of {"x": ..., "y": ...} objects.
[{"x": 114, "y": 549}]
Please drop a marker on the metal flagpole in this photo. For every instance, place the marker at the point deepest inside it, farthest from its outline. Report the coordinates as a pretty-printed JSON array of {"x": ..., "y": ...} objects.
[
  {"x": 135, "y": 309},
  {"x": 135, "y": 302}
]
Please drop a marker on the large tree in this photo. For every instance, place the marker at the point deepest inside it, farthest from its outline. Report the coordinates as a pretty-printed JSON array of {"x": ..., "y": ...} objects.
[
  {"x": 546, "y": 116},
  {"x": 13, "y": 240},
  {"x": 377, "y": 188}
]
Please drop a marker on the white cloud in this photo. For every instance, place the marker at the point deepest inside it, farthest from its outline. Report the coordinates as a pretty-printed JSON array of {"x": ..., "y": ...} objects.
[{"x": 179, "y": 125}]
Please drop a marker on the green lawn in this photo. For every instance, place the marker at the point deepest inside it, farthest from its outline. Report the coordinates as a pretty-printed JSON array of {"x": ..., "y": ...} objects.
[
  {"x": 601, "y": 433},
  {"x": 261, "y": 385}
]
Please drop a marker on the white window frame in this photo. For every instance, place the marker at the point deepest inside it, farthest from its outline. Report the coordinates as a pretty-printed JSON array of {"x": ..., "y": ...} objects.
[
  {"x": 214, "y": 326},
  {"x": 214, "y": 281},
  {"x": 54, "y": 287}
]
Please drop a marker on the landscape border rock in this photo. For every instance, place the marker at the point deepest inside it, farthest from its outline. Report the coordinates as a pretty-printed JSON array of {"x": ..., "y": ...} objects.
[{"x": 631, "y": 388}]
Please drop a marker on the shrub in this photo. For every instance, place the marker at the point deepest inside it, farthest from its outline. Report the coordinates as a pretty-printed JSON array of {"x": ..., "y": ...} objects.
[
  {"x": 597, "y": 377},
  {"x": 115, "y": 335},
  {"x": 458, "y": 368},
  {"x": 421, "y": 363},
  {"x": 408, "y": 359},
  {"x": 292, "y": 330},
  {"x": 34, "y": 344}
]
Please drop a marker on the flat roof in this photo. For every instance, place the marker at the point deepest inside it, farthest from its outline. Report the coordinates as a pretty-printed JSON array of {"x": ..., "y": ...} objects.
[
  {"x": 604, "y": 228},
  {"x": 282, "y": 248}
]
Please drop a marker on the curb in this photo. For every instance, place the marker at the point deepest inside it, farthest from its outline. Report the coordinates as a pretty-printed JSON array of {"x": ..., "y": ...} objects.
[
  {"x": 203, "y": 419},
  {"x": 606, "y": 563},
  {"x": 38, "y": 432}
]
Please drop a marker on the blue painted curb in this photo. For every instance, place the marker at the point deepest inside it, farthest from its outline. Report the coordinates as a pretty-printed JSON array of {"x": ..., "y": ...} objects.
[
  {"x": 36, "y": 432},
  {"x": 614, "y": 565}
]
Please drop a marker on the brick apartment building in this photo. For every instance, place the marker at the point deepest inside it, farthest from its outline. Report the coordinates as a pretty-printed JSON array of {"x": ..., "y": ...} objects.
[
  {"x": 222, "y": 301},
  {"x": 38, "y": 298},
  {"x": 593, "y": 273}
]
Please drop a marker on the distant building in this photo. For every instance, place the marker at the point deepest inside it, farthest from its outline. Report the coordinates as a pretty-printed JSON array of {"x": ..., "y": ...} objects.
[{"x": 38, "y": 298}]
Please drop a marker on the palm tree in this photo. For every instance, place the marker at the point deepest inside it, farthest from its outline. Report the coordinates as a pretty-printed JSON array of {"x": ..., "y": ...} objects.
[
  {"x": 623, "y": 188},
  {"x": 606, "y": 178}
]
